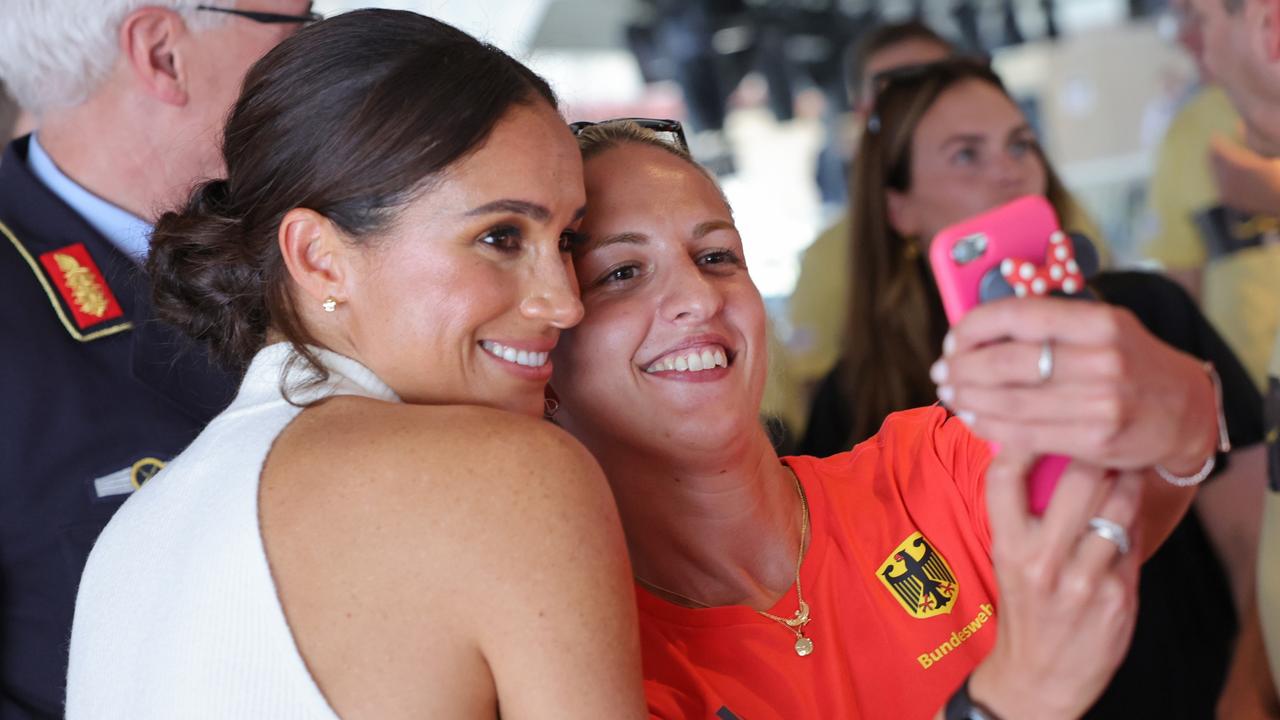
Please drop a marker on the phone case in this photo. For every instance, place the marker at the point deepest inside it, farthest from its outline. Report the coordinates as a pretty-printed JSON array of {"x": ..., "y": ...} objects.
[{"x": 1015, "y": 250}]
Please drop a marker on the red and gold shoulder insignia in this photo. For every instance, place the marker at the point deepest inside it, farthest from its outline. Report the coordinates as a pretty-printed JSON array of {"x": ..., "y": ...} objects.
[
  {"x": 81, "y": 285},
  {"x": 79, "y": 293}
]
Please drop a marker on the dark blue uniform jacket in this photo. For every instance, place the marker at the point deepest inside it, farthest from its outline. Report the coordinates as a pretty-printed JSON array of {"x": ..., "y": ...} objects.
[{"x": 96, "y": 396}]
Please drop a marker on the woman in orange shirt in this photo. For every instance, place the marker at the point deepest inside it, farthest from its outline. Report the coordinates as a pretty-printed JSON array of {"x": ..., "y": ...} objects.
[{"x": 890, "y": 581}]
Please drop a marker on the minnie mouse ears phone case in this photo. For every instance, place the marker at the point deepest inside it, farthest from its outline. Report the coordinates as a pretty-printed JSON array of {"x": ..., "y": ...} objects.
[{"x": 1015, "y": 250}]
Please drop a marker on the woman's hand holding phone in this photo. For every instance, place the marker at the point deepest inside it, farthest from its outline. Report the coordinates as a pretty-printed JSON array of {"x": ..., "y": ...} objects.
[
  {"x": 1117, "y": 397},
  {"x": 1068, "y": 597},
  {"x": 1051, "y": 375}
]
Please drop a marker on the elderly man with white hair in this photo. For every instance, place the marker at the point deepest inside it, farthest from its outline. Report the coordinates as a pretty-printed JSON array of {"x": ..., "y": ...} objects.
[{"x": 129, "y": 97}]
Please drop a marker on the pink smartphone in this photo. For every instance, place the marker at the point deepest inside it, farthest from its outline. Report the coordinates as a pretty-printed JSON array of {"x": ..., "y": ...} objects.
[{"x": 1015, "y": 250}]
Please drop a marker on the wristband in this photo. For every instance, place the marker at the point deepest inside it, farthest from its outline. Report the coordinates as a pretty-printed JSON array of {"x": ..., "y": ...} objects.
[{"x": 962, "y": 707}]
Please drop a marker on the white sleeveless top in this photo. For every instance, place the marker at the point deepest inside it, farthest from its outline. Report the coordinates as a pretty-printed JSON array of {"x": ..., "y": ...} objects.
[{"x": 177, "y": 614}]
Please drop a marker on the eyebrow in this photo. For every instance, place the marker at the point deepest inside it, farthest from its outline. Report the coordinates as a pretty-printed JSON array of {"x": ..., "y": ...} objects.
[
  {"x": 979, "y": 138},
  {"x": 587, "y": 244},
  {"x": 703, "y": 229},
  {"x": 963, "y": 138},
  {"x": 1022, "y": 129},
  {"x": 533, "y": 211}
]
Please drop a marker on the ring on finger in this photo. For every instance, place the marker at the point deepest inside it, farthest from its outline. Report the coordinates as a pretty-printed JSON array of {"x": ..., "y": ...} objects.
[
  {"x": 1044, "y": 364},
  {"x": 1110, "y": 531}
]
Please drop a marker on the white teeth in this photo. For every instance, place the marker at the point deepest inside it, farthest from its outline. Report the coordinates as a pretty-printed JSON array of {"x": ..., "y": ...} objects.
[
  {"x": 694, "y": 361},
  {"x": 512, "y": 355}
]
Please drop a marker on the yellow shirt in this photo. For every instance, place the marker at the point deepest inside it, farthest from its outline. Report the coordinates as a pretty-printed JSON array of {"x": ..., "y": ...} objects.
[
  {"x": 1269, "y": 542},
  {"x": 1241, "y": 291},
  {"x": 782, "y": 399},
  {"x": 817, "y": 309}
]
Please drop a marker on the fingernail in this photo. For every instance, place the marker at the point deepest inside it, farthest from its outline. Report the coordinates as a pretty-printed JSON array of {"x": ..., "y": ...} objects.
[
  {"x": 948, "y": 344},
  {"x": 946, "y": 394},
  {"x": 938, "y": 372},
  {"x": 966, "y": 417}
]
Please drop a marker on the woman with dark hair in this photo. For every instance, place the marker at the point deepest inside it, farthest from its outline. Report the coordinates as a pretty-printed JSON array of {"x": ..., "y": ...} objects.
[
  {"x": 947, "y": 142},
  {"x": 888, "y": 582},
  {"x": 381, "y": 524}
]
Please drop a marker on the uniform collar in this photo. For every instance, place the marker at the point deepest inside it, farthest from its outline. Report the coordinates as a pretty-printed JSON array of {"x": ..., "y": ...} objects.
[
  {"x": 162, "y": 359},
  {"x": 128, "y": 232}
]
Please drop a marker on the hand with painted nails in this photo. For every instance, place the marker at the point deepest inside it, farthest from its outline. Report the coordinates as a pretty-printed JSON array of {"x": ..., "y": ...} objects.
[
  {"x": 1068, "y": 590},
  {"x": 1086, "y": 380}
]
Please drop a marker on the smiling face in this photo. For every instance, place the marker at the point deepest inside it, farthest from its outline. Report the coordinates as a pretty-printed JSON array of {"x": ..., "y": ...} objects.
[
  {"x": 466, "y": 296},
  {"x": 671, "y": 353},
  {"x": 972, "y": 151}
]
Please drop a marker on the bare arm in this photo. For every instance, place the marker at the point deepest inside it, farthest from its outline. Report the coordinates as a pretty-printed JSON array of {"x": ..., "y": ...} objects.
[
  {"x": 1191, "y": 280},
  {"x": 450, "y": 562},
  {"x": 1230, "y": 510},
  {"x": 1249, "y": 694}
]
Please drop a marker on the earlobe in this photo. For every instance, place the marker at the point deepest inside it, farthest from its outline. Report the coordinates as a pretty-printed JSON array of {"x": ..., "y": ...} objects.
[
  {"x": 901, "y": 214},
  {"x": 149, "y": 44},
  {"x": 314, "y": 255}
]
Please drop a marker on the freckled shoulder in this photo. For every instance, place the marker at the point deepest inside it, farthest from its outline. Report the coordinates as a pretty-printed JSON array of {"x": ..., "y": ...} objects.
[
  {"x": 353, "y": 446},
  {"x": 395, "y": 529}
]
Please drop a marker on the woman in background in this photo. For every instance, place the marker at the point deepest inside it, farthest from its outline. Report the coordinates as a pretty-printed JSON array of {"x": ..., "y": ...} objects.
[
  {"x": 381, "y": 524},
  {"x": 948, "y": 143}
]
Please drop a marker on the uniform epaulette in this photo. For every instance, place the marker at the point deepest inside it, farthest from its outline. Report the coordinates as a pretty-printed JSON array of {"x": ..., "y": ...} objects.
[{"x": 80, "y": 296}]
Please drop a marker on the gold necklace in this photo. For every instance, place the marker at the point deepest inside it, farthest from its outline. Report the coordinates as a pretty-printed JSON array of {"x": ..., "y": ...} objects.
[{"x": 795, "y": 623}]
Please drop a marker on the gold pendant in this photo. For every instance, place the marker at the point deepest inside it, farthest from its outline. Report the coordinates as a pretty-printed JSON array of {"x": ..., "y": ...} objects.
[
  {"x": 801, "y": 617},
  {"x": 804, "y": 646}
]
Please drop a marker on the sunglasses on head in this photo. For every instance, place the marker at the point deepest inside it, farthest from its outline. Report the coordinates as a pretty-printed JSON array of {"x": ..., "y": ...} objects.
[
  {"x": 669, "y": 129},
  {"x": 897, "y": 78}
]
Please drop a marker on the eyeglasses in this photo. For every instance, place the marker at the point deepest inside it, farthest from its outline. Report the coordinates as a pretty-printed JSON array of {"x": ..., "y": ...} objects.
[
  {"x": 671, "y": 128},
  {"x": 266, "y": 18}
]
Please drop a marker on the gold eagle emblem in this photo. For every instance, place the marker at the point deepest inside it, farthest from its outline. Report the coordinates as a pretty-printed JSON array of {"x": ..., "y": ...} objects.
[
  {"x": 920, "y": 578},
  {"x": 85, "y": 290}
]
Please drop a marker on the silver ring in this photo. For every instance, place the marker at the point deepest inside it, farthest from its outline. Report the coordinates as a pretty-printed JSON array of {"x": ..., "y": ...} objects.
[
  {"x": 1111, "y": 531},
  {"x": 1044, "y": 365}
]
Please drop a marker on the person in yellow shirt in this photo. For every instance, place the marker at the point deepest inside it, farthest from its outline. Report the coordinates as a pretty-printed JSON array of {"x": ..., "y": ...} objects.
[
  {"x": 1208, "y": 239},
  {"x": 1242, "y": 50}
]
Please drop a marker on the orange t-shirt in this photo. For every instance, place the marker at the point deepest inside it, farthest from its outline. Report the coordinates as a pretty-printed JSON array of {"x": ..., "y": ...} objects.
[{"x": 898, "y": 578}]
